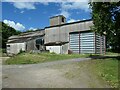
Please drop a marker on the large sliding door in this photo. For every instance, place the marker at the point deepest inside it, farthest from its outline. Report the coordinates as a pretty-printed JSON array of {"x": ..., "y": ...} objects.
[
  {"x": 74, "y": 42},
  {"x": 82, "y": 42},
  {"x": 87, "y": 44}
]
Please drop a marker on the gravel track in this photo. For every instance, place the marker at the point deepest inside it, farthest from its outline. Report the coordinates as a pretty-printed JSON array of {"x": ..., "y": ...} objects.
[{"x": 56, "y": 74}]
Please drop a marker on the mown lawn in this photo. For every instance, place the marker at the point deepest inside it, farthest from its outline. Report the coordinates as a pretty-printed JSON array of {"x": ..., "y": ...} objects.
[
  {"x": 32, "y": 58},
  {"x": 107, "y": 69}
]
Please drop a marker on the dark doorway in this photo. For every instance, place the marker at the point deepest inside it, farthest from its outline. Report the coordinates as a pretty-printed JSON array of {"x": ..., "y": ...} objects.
[{"x": 38, "y": 47}]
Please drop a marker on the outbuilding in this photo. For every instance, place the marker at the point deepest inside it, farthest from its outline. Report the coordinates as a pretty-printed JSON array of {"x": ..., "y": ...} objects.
[
  {"x": 30, "y": 41},
  {"x": 75, "y": 37},
  {"x": 61, "y": 38}
]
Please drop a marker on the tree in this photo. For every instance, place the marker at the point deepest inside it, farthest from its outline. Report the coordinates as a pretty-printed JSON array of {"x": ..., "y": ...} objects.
[
  {"x": 106, "y": 19},
  {"x": 7, "y": 31}
]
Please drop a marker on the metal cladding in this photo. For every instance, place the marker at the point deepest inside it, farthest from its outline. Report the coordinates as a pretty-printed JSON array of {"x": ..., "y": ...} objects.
[
  {"x": 61, "y": 37},
  {"x": 60, "y": 33},
  {"x": 87, "y": 42},
  {"x": 77, "y": 35},
  {"x": 25, "y": 42}
]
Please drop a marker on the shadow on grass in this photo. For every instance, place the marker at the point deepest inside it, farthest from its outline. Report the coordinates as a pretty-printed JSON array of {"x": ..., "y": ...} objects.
[{"x": 103, "y": 57}]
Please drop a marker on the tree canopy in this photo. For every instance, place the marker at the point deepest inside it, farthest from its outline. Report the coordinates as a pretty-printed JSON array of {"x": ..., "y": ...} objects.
[
  {"x": 106, "y": 20},
  {"x": 7, "y": 31}
]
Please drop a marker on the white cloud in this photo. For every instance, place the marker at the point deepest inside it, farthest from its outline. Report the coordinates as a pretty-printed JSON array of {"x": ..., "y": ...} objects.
[
  {"x": 24, "y": 5},
  {"x": 16, "y": 26},
  {"x": 83, "y": 19},
  {"x": 75, "y": 5},
  {"x": 72, "y": 20},
  {"x": 65, "y": 7},
  {"x": 31, "y": 28},
  {"x": 65, "y": 13},
  {"x": 43, "y": 0}
]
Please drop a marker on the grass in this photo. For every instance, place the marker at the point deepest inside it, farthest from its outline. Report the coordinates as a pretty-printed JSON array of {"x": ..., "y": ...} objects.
[
  {"x": 32, "y": 58},
  {"x": 112, "y": 54},
  {"x": 105, "y": 68},
  {"x": 3, "y": 52}
]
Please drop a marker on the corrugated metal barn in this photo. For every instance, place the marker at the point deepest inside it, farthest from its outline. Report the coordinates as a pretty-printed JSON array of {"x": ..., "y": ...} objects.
[
  {"x": 75, "y": 37},
  {"x": 31, "y": 41},
  {"x": 60, "y": 37}
]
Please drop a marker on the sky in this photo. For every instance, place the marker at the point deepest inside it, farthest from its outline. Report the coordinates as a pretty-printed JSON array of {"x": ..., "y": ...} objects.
[{"x": 28, "y": 15}]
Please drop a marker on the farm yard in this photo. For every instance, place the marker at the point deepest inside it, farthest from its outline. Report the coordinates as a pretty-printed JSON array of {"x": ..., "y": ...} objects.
[
  {"x": 78, "y": 48},
  {"x": 74, "y": 69}
]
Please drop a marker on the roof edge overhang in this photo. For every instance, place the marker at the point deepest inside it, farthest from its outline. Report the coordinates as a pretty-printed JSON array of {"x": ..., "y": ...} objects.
[
  {"x": 80, "y": 31},
  {"x": 69, "y": 23},
  {"x": 55, "y": 43}
]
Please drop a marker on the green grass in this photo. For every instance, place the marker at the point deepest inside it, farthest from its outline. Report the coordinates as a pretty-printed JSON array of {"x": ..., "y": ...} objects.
[
  {"x": 112, "y": 54},
  {"x": 107, "y": 69},
  {"x": 31, "y": 58},
  {"x": 3, "y": 52}
]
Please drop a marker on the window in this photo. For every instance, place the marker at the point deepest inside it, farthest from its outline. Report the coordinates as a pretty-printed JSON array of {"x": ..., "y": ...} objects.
[
  {"x": 8, "y": 45},
  {"x": 62, "y": 19},
  {"x": 40, "y": 41}
]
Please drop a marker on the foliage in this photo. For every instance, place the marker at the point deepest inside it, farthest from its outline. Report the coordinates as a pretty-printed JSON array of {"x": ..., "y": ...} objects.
[
  {"x": 29, "y": 31},
  {"x": 21, "y": 51},
  {"x": 106, "y": 19},
  {"x": 7, "y": 31}
]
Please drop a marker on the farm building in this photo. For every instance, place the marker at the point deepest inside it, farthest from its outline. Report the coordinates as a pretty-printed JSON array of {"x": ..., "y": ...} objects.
[
  {"x": 31, "y": 41},
  {"x": 60, "y": 37},
  {"x": 75, "y": 37}
]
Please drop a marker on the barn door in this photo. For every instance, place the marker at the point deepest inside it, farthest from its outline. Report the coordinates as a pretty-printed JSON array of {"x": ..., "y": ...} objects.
[
  {"x": 82, "y": 42},
  {"x": 87, "y": 44},
  {"x": 74, "y": 42}
]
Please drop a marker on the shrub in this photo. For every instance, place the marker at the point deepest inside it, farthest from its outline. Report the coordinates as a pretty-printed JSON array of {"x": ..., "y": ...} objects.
[{"x": 21, "y": 51}]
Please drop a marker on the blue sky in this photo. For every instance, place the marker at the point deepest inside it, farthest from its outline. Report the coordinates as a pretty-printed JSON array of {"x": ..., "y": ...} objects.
[{"x": 31, "y": 15}]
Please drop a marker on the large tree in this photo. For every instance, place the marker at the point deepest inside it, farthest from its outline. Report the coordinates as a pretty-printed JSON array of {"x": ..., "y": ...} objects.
[
  {"x": 106, "y": 19},
  {"x": 6, "y": 32}
]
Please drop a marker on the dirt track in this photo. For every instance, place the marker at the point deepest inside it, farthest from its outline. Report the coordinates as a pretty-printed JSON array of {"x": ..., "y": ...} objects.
[{"x": 57, "y": 74}]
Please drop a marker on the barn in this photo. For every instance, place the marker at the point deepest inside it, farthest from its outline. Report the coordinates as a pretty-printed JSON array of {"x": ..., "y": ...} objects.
[
  {"x": 75, "y": 37},
  {"x": 61, "y": 38},
  {"x": 30, "y": 41}
]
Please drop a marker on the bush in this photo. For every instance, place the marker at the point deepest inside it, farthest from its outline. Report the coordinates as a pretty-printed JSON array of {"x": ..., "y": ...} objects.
[
  {"x": 21, "y": 51},
  {"x": 3, "y": 50},
  {"x": 52, "y": 53}
]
